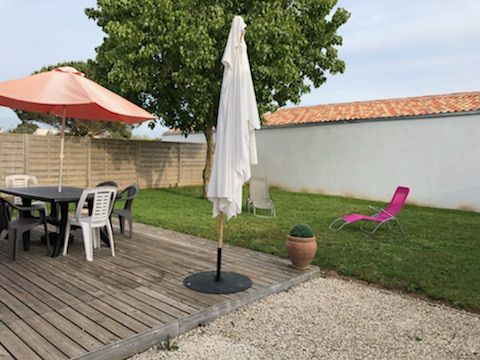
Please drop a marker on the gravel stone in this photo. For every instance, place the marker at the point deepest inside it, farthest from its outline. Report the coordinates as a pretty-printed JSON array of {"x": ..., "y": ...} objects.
[{"x": 331, "y": 318}]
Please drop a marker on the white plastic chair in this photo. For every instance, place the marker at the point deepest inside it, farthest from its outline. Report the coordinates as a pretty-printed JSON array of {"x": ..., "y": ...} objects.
[
  {"x": 103, "y": 199},
  {"x": 259, "y": 197},
  {"x": 22, "y": 180}
]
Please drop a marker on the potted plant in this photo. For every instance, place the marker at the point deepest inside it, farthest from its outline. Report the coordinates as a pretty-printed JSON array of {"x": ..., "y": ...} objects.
[{"x": 301, "y": 246}]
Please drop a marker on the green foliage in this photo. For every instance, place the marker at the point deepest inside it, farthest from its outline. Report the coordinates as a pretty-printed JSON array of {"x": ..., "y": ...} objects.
[
  {"x": 166, "y": 54},
  {"x": 437, "y": 257},
  {"x": 302, "y": 231},
  {"x": 167, "y": 345},
  {"x": 74, "y": 126},
  {"x": 25, "y": 127}
]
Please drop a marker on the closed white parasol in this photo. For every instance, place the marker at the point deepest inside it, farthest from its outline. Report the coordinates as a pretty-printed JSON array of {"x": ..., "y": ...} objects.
[
  {"x": 235, "y": 151},
  {"x": 237, "y": 118}
]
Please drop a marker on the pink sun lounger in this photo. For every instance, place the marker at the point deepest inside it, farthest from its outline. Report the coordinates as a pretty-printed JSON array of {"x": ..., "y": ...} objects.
[{"x": 381, "y": 216}]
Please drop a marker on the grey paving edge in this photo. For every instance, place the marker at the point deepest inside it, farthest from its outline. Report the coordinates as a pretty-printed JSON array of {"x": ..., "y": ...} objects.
[{"x": 143, "y": 341}]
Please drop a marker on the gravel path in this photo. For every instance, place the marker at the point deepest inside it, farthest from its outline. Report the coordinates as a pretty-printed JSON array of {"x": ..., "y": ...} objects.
[{"x": 330, "y": 318}]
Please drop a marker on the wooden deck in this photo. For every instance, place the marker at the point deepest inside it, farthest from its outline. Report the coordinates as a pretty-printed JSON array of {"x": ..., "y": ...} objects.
[{"x": 65, "y": 307}]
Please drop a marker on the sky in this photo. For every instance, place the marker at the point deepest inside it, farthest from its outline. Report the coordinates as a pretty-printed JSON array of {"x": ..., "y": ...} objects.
[{"x": 392, "y": 48}]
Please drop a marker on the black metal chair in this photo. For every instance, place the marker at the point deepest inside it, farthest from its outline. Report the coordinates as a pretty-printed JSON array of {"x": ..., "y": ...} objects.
[
  {"x": 108, "y": 183},
  {"x": 128, "y": 195},
  {"x": 103, "y": 183},
  {"x": 5, "y": 218},
  {"x": 20, "y": 225}
]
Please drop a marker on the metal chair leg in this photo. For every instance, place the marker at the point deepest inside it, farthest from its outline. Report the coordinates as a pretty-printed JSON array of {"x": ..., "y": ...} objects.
[
  {"x": 130, "y": 226},
  {"x": 12, "y": 244},
  {"x": 47, "y": 238},
  {"x": 376, "y": 227},
  {"x": 400, "y": 226},
  {"x": 121, "y": 221},
  {"x": 331, "y": 226}
]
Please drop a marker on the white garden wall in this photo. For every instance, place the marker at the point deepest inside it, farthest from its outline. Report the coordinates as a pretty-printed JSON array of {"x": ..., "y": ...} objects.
[{"x": 438, "y": 158}]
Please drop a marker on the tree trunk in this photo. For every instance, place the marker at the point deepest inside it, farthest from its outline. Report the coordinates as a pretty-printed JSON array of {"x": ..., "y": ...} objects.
[{"x": 207, "y": 170}]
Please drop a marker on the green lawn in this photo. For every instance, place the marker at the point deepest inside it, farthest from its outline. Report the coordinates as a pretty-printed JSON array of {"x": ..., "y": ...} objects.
[{"x": 439, "y": 256}]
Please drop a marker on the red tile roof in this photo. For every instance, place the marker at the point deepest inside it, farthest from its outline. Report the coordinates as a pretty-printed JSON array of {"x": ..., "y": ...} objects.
[{"x": 377, "y": 109}]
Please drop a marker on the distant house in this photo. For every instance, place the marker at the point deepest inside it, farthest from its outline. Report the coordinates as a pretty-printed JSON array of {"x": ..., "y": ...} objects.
[
  {"x": 177, "y": 136},
  {"x": 365, "y": 149},
  {"x": 45, "y": 132}
]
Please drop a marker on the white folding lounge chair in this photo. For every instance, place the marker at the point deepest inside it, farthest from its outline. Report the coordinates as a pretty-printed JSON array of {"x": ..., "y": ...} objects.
[{"x": 259, "y": 197}]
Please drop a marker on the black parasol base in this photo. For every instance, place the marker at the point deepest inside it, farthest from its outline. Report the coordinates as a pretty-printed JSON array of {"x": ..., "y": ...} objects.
[{"x": 206, "y": 282}]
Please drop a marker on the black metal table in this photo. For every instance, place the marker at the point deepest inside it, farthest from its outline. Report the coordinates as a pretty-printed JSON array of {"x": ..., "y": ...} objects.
[{"x": 50, "y": 194}]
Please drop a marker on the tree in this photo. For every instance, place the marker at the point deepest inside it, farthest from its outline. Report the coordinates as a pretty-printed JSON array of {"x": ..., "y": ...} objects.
[
  {"x": 25, "y": 127},
  {"x": 165, "y": 54},
  {"x": 73, "y": 126}
]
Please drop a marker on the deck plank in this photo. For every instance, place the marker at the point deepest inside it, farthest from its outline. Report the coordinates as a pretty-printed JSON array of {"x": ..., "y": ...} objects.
[
  {"x": 118, "y": 329},
  {"x": 122, "y": 305},
  {"x": 53, "y": 289},
  {"x": 6, "y": 315},
  {"x": 149, "y": 309},
  {"x": 4, "y": 354},
  {"x": 151, "y": 297},
  {"x": 54, "y": 336},
  {"x": 78, "y": 291},
  {"x": 38, "y": 343},
  {"x": 30, "y": 301},
  {"x": 15, "y": 345},
  {"x": 19, "y": 308},
  {"x": 123, "y": 318},
  {"x": 74, "y": 332},
  {"x": 31, "y": 287},
  {"x": 89, "y": 326}
]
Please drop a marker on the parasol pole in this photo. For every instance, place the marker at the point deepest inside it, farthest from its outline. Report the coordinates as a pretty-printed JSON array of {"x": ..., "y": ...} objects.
[
  {"x": 219, "y": 246},
  {"x": 62, "y": 145}
]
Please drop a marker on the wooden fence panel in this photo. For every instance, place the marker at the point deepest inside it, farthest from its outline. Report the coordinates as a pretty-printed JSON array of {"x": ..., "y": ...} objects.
[
  {"x": 192, "y": 162},
  {"x": 113, "y": 160},
  {"x": 87, "y": 162},
  {"x": 157, "y": 164},
  {"x": 12, "y": 155},
  {"x": 43, "y": 160}
]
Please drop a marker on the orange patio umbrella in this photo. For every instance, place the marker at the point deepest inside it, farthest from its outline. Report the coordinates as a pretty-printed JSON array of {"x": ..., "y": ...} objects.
[{"x": 66, "y": 92}]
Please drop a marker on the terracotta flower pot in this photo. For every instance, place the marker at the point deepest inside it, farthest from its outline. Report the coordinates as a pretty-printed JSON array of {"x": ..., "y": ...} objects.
[{"x": 301, "y": 251}]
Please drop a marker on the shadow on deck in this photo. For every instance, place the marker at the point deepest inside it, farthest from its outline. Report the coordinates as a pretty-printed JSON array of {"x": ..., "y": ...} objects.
[{"x": 114, "y": 307}]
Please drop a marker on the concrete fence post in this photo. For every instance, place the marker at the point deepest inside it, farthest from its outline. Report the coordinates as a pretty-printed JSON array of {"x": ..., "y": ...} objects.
[
  {"x": 25, "y": 138},
  {"x": 138, "y": 165}
]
